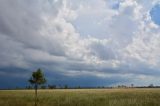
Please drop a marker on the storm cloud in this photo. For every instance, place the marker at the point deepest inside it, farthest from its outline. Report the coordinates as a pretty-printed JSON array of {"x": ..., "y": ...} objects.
[{"x": 87, "y": 43}]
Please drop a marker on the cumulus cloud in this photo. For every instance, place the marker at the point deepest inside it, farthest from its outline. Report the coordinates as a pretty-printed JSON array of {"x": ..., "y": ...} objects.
[{"x": 88, "y": 40}]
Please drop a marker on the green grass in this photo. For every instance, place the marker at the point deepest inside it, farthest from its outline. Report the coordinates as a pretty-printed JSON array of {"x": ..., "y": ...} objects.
[{"x": 82, "y": 97}]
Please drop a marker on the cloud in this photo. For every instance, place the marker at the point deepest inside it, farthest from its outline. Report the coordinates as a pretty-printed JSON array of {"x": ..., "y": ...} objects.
[{"x": 98, "y": 41}]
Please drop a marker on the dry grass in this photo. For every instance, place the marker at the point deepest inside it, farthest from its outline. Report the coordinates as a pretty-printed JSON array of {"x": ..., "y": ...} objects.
[{"x": 82, "y": 97}]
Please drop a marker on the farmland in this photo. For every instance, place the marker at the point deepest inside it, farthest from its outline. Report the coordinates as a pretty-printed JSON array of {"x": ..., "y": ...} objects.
[{"x": 82, "y": 97}]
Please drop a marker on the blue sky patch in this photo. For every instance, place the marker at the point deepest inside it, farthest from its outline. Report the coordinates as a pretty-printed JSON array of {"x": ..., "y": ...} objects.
[{"x": 155, "y": 14}]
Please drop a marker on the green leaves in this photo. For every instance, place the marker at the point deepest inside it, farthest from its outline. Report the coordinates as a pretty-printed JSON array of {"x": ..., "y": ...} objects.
[{"x": 37, "y": 77}]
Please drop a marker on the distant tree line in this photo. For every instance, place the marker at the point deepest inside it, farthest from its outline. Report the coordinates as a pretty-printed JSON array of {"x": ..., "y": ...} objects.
[
  {"x": 50, "y": 86},
  {"x": 54, "y": 87}
]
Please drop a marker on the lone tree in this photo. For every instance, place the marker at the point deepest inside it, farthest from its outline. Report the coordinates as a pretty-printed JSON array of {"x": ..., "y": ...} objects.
[{"x": 36, "y": 79}]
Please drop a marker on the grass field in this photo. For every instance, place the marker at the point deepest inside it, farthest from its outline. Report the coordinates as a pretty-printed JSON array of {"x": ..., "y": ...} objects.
[{"x": 82, "y": 97}]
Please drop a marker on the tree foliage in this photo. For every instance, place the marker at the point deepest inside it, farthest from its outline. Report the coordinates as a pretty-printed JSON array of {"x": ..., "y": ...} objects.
[{"x": 36, "y": 79}]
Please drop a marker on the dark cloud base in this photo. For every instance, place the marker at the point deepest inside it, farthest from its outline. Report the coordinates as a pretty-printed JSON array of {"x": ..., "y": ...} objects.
[
  {"x": 10, "y": 79},
  {"x": 76, "y": 46}
]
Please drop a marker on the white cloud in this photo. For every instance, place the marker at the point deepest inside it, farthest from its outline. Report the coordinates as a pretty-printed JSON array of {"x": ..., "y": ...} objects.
[{"x": 81, "y": 38}]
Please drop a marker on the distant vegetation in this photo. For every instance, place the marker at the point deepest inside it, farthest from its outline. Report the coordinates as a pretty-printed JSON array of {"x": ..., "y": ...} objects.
[
  {"x": 50, "y": 86},
  {"x": 82, "y": 97}
]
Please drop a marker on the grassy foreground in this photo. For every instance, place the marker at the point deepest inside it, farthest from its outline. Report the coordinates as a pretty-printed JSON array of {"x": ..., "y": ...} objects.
[{"x": 82, "y": 97}]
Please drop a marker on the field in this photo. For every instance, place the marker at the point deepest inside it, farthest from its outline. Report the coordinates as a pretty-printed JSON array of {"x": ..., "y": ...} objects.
[{"x": 82, "y": 97}]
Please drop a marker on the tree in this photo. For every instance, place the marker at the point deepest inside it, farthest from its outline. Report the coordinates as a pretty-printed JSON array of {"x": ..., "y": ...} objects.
[
  {"x": 51, "y": 86},
  {"x": 132, "y": 85},
  {"x": 151, "y": 86},
  {"x": 43, "y": 87},
  {"x": 36, "y": 79},
  {"x": 65, "y": 86}
]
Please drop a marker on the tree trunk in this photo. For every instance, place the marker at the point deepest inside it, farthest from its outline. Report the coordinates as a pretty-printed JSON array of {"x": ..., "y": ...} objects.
[{"x": 36, "y": 87}]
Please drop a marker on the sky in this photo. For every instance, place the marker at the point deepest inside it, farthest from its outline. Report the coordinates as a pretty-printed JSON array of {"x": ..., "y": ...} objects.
[{"x": 80, "y": 42}]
